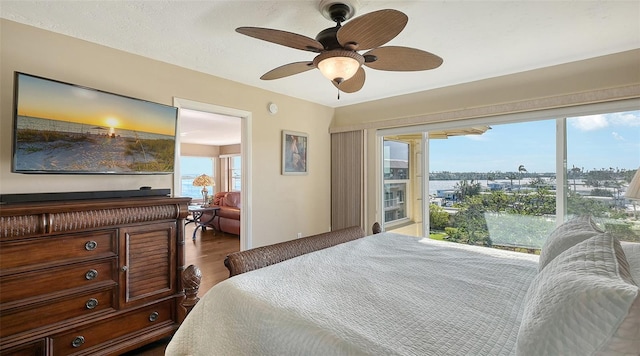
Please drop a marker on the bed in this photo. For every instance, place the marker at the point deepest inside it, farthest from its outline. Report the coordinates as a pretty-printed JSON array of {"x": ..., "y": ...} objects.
[{"x": 392, "y": 294}]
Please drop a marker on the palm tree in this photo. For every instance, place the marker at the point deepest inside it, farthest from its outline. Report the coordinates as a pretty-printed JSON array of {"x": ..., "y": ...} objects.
[
  {"x": 616, "y": 187},
  {"x": 521, "y": 170},
  {"x": 510, "y": 177},
  {"x": 490, "y": 177},
  {"x": 574, "y": 171}
]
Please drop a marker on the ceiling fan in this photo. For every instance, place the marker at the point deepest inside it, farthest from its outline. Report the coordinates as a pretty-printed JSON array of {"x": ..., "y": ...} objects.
[{"x": 338, "y": 47}]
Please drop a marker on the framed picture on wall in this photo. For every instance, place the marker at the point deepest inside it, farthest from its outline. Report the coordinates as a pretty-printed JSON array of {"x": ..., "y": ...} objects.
[{"x": 294, "y": 153}]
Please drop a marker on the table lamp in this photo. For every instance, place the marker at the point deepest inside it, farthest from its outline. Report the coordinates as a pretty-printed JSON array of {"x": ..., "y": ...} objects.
[
  {"x": 633, "y": 190},
  {"x": 204, "y": 181}
]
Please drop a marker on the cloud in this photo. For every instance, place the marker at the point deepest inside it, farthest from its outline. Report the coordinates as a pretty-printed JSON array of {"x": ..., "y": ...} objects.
[
  {"x": 596, "y": 122},
  {"x": 617, "y": 136},
  {"x": 631, "y": 118},
  {"x": 589, "y": 123},
  {"x": 483, "y": 137}
]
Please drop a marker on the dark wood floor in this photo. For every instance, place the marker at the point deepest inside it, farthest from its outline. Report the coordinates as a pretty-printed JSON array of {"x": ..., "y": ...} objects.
[{"x": 208, "y": 253}]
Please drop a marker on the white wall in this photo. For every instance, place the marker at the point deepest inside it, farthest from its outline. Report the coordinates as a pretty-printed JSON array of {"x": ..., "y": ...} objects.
[
  {"x": 550, "y": 87},
  {"x": 230, "y": 149},
  {"x": 282, "y": 205},
  {"x": 190, "y": 149}
]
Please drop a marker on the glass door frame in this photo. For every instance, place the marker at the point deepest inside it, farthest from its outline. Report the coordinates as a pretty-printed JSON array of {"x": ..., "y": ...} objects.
[
  {"x": 559, "y": 114},
  {"x": 424, "y": 167}
]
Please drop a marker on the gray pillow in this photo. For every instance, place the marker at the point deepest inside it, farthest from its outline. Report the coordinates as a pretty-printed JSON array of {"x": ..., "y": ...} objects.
[{"x": 566, "y": 235}]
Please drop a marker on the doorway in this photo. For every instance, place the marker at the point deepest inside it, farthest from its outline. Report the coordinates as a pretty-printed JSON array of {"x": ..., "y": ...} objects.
[{"x": 245, "y": 154}]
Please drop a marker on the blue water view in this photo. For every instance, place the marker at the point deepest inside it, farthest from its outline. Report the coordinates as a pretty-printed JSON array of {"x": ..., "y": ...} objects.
[{"x": 189, "y": 190}]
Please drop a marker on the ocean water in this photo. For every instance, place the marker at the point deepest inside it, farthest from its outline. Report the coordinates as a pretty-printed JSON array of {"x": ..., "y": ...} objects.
[
  {"x": 189, "y": 190},
  {"x": 434, "y": 185},
  {"x": 34, "y": 123}
]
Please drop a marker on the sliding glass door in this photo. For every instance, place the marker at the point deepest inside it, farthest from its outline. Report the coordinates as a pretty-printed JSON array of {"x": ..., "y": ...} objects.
[{"x": 507, "y": 184}]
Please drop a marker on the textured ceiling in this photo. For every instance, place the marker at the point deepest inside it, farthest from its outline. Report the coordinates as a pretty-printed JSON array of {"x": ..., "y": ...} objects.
[
  {"x": 206, "y": 128},
  {"x": 476, "y": 39}
]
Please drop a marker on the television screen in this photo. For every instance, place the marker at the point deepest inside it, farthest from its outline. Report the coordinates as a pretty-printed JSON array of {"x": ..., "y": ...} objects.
[{"x": 65, "y": 128}]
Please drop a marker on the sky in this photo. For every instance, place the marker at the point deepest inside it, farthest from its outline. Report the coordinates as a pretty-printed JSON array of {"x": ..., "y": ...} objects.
[
  {"x": 48, "y": 99},
  {"x": 196, "y": 165},
  {"x": 593, "y": 142}
]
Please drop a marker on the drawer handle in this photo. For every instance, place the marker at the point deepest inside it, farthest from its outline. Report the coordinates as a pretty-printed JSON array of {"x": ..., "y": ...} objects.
[
  {"x": 78, "y": 341},
  {"x": 90, "y": 245},
  {"x": 91, "y": 274},
  {"x": 91, "y": 303},
  {"x": 153, "y": 316}
]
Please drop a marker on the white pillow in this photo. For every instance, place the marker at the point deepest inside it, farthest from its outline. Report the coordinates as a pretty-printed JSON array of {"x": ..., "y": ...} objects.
[
  {"x": 566, "y": 235},
  {"x": 632, "y": 251},
  {"x": 584, "y": 302}
]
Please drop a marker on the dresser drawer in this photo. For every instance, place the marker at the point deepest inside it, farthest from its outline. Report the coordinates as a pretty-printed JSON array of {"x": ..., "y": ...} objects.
[
  {"x": 83, "y": 339},
  {"x": 23, "y": 255},
  {"x": 36, "y": 348},
  {"x": 56, "y": 279},
  {"x": 55, "y": 310}
]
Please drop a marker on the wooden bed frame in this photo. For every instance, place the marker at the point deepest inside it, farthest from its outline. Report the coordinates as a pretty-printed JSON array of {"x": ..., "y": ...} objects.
[{"x": 249, "y": 260}]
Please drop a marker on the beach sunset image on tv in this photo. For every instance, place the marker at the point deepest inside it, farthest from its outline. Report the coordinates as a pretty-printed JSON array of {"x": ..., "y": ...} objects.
[{"x": 64, "y": 128}]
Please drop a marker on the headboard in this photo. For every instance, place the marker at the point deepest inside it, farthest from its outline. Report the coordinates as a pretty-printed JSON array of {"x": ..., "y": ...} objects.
[{"x": 245, "y": 261}]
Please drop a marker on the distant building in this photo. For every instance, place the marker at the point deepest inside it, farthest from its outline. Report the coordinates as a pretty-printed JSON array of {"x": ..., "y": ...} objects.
[
  {"x": 395, "y": 193},
  {"x": 394, "y": 202},
  {"x": 396, "y": 169},
  {"x": 447, "y": 194},
  {"x": 436, "y": 201},
  {"x": 496, "y": 186}
]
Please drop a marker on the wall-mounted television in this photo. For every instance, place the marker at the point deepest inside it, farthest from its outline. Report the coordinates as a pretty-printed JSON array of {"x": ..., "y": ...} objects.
[{"x": 64, "y": 128}]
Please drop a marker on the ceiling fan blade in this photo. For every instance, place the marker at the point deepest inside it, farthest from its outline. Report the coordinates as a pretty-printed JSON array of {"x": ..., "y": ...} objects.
[
  {"x": 287, "y": 70},
  {"x": 395, "y": 58},
  {"x": 284, "y": 38},
  {"x": 353, "y": 84},
  {"x": 373, "y": 29}
]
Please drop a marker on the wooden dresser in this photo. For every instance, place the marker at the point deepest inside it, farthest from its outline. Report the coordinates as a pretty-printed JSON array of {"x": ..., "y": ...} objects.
[{"x": 90, "y": 277}]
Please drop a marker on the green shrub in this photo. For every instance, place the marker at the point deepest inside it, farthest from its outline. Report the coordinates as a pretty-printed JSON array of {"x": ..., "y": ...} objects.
[
  {"x": 622, "y": 231},
  {"x": 438, "y": 217}
]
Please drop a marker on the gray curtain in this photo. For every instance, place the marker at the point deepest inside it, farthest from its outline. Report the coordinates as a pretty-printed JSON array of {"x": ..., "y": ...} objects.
[{"x": 347, "y": 167}]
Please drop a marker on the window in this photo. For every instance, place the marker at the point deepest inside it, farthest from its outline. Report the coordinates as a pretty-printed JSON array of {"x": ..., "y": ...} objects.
[
  {"x": 498, "y": 187},
  {"x": 235, "y": 173},
  {"x": 603, "y": 153},
  {"x": 502, "y": 187},
  {"x": 190, "y": 168},
  {"x": 396, "y": 180}
]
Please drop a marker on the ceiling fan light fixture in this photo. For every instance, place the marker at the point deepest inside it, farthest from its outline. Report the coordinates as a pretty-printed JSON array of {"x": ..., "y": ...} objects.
[
  {"x": 338, "y": 65},
  {"x": 338, "y": 59}
]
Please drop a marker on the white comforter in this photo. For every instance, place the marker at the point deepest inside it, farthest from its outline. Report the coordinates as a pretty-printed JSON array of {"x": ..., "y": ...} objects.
[{"x": 385, "y": 294}]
